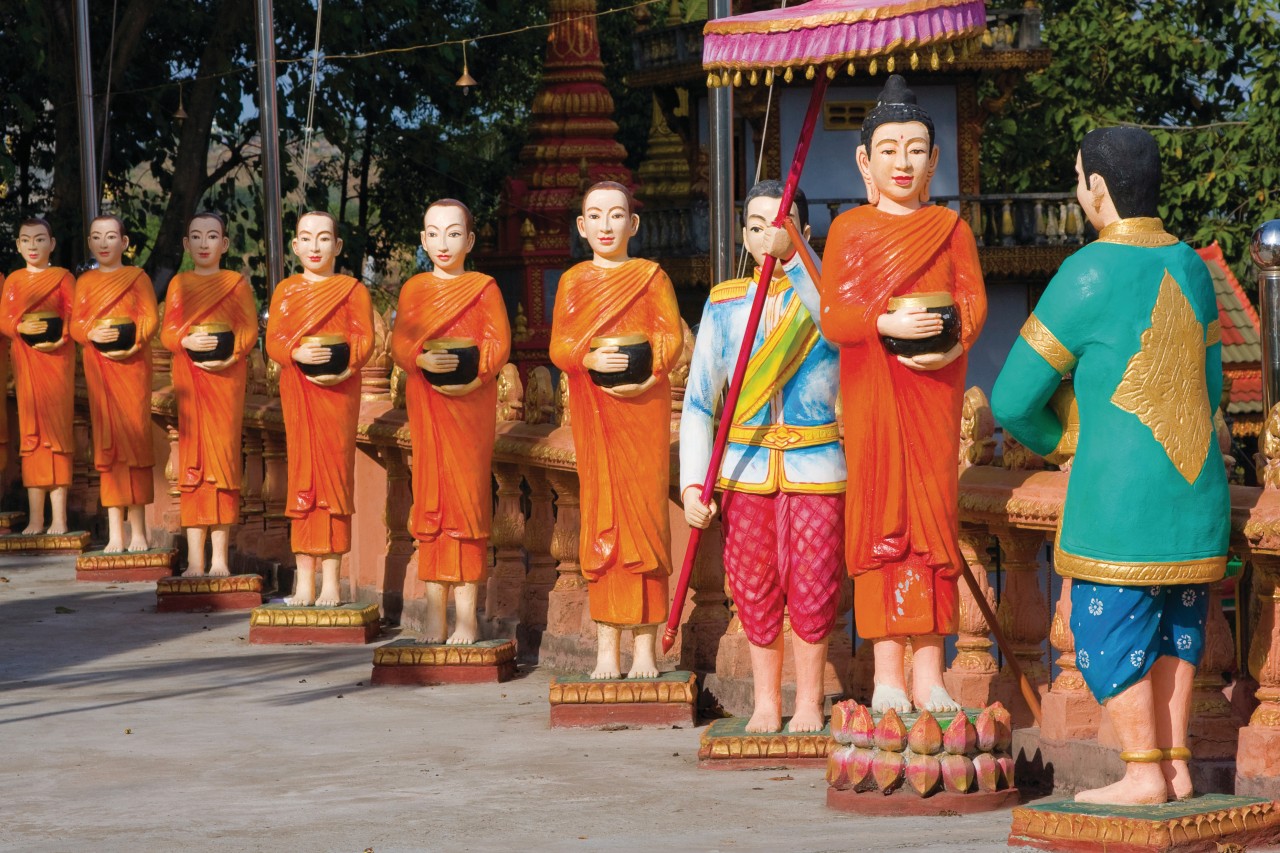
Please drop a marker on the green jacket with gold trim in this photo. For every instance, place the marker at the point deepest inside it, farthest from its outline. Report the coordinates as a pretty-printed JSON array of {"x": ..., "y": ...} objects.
[{"x": 1133, "y": 320}]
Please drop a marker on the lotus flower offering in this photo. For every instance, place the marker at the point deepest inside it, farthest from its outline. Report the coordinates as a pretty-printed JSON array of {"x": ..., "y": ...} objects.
[
  {"x": 468, "y": 353},
  {"x": 226, "y": 342},
  {"x": 52, "y": 332},
  {"x": 639, "y": 354},
  {"x": 127, "y": 338},
  {"x": 339, "y": 355},
  {"x": 934, "y": 303}
]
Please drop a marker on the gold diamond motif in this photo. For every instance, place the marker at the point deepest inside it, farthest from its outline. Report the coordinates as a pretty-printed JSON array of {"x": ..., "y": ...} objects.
[{"x": 1164, "y": 382}]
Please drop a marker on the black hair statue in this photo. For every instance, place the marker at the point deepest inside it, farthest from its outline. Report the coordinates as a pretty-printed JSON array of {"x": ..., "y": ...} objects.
[
  {"x": 773, "y": 189},
  {"x": 895, "y": 103}
]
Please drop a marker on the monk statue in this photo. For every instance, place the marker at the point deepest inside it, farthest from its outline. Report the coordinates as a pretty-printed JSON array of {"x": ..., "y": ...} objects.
[
  {"x": 114, "y": 317},
  {"x": 451, "y": 337},
  {"x": 783, "y": 477},
  {"x": 210, "y": 324},
  {"x": 616, "y": 332},
  {"x": 1132, "y": 318},
  {"x": 901, "y": 294},
  {"x": 320, "y": 332},
  {"x": 35, "y": 311}
]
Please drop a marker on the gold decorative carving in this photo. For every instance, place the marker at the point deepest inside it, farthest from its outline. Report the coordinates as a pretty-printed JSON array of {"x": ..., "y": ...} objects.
[
  {"x": 1161, "y": 382},
  {"x": 614, "y": 692},
  {"x": 1213, "y": 333},
  {"x": 43, "y": 542},
  {"x": 441, "y": 655},
  {"x": 977, "y": 430},
  {"x": 135, "y": 560},
  {"x": 314, "y": 617},
  {"x": 1268, "y": 457},
  {"x": 539, "y": 398},
  {"x": 1142, "y": 833},
  {"x": 765, "y": 746},
  {"x": 208, "y": 585},
  {"x": 510, "y": 394},
  {"x": 1047, "y": 345},
  {"x": 1145, "y": 231},
  {"x": 1202, "y": 570}
]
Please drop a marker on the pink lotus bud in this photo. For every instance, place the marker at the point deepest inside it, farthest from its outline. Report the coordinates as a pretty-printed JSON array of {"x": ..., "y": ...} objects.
[
  {"x": 924, "y": 773},
  {"x": 852, "y": 723},
  {"x": 925, "y": 736},
  {"x": 985, "y": 726},
  {"x": 859, "y": 769},
  {"x": 987, "y": 772},
  {"x": 1006, "y": 769},
  {"x": 957, "y": 773},
  {"x": 1004, "y": 727},
  {"x": 891, "y": 733},
  {"x": 888, "y": 768},
  {"x": 960, "y": 736},
  {"x": 838, "y": 767}
]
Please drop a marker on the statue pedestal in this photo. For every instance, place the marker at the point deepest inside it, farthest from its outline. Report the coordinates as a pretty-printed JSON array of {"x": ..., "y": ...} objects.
[
  {"x": 1207, "y": 822},
  {"x": 905, "y": 803},
  {"x": 727, "y": 745},
  {"x": 102, "y": 567},
  {"x": 424, "y": 664},
  {"x": 43, "y": 543},
  {"x": 187, "y": 595},
  {"x": 10, "y": 520},
  {"x": 352, "y": 624},
  {"x": 578, "y": 701}
]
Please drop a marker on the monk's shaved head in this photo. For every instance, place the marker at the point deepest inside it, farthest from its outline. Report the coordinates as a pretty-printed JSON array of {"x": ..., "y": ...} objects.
[{"x": 610, "y": 185}]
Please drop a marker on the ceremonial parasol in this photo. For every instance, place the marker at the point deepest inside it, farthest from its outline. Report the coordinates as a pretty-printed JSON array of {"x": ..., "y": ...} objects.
[{"x": 819, "y": 39}]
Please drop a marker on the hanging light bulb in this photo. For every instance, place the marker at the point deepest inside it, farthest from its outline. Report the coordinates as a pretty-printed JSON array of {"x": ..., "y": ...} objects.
[{"x": 466, "y": 81}]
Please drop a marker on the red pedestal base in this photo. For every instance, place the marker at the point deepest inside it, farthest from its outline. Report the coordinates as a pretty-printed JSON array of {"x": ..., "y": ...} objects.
[
  {"x": 130, "y": 566},
  {"x": 346, "y": 624},
  {"x": 631, "y": 715},
  {"x": 907, "y": 804},
  {"x": 425, "y": 664},
  {"x": 662, "y": 702},
  {"x": 188, "y": 595}
]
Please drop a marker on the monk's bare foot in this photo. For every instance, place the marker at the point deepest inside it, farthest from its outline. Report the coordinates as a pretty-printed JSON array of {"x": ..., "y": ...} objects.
[
  {"x": 939, "y": 701},
  {"x": 139, "y": 543},
  {"x": 607, "y": 666},
  {"x": 765, "y": 719},
  {"x": 432, "y": 639},
  {"x": 194, "y": 572},
  {"x": 114, "y": 546},
  {"x": 807, "y": 719},
  {"x": 33, "y": 529},
  {"x": 328, "y": 597},
  {"x": 643, "y": 665},
  {"x": 461, "y": 637},
  {"x": 1177, "y": 779},
  {"x": 299, "y": 600},
  {"x": 217, "y": 571},
  {"x": 57, "y": 529},
  {"x": 1142, "y": 785},
  {"x": 885, "y": 698}
]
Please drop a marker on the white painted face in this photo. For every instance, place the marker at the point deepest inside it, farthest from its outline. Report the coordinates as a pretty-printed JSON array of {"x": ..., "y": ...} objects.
[
  {"x": 36, "y": 245},
  {"x": 607, "y": 223},
  {"x": 901, "y": 161},
  {"x": 106, "y": 243},
  {"x": 445, "y": 238},
  {"x": 316, "y": 245},
  {"x": 205, "y": 242},
  {"x": 761, "y": 212}
]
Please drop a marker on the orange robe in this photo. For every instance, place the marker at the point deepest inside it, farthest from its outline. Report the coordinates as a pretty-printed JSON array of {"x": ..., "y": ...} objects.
[
  {"x": 623, "y": 446},
  {"x": 44, "y": 381},
  {"x": 902, "y": 426},
  {"x": 452, "y": 436},
  {"x": 119, "y": 391},
  {"x": 320, "y": 421},
  {"x": 210, "y": 403}
]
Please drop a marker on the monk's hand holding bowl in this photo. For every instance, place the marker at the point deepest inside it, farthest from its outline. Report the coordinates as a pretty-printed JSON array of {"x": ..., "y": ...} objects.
[
  {"x": 104, "y": 334},
  {"x": 33, "y": 327},
  {"x": 214, "y": 366},
  {"x": 124, "y": 354},
  {"x": 203, "y": 342},
  {"x": 624, "y": 392},
  {"x": 911, "y": 323},
  {"x": 438, "y": 361},
  {"x": 457, "y": 390},
  {"x": 933, "y": 360},
  {"x": 607, "y": 359},
  {"x": 312, "y": 353},
  {"x": 330, "y": 380}
]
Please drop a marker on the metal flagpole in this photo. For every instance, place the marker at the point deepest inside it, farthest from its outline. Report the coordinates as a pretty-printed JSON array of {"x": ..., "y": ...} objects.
[{"x": 89, "y": 187}]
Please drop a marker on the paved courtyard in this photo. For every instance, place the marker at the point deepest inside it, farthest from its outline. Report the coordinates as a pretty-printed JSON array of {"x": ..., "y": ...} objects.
[{"x": 124, "y": 729}]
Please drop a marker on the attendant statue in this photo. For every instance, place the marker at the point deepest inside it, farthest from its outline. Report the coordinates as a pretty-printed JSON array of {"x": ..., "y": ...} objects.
[
  {"x": 616, "y": 332},
  {"x": 1132, "y": 318},
  {"x": 783, "y": 477},
  {"x": 901, "y": 294},
  {"x": 114, "y": 317},
  {"x": 320, "y": 332},
  {"x": 210, "y": 325},
  {"x": 452, "y": 338},
  {"x": 35, "y": 311}
]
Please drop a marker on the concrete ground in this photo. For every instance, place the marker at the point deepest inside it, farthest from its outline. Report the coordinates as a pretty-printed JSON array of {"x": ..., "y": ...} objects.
[{"x": 124, "y": 729}]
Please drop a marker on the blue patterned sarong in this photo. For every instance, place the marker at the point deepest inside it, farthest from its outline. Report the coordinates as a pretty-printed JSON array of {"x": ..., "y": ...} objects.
[{"x": 1120, "y": 631}]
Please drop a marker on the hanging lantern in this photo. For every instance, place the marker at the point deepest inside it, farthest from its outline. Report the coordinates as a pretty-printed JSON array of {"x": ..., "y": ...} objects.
[
  {"x": 181, "y": 115},
  {"x": 466, "y": 81}
]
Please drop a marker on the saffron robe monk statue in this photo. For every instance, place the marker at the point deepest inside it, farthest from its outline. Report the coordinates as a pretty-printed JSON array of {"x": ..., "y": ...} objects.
[
  {"x": 112, "y": 301},
  {"x": 782, "y": 479},
  {"x": 1132, "y": 317},
  {"x": 451, "y": 407},
  {"x": 621, "y": 429},
  {"x": 210, "y": 323},
  {"x": 899, "y": 274},
  {"x": 35, "y": 311},
  {"x": 320, "y": 331}
]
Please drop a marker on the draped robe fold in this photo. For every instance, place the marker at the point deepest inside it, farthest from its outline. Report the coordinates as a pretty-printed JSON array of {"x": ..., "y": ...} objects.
[
  {"x": 622, "y": 446},
  {"x": 44, "y": 382},
  {"x": 320, "y": 421},
  {"x": 452, "y": 437},
  {"x": 210, "y": 403},
  {"x": 901, "y": 426},
  {"x": 119, "y": 391}
]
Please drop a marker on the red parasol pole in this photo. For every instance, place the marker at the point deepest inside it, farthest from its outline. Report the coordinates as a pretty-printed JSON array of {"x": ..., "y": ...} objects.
[{"x": 744, "y": 355}]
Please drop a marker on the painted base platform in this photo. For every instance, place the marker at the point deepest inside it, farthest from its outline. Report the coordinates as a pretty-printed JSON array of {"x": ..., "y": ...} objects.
[
  {"x": 10, "y": 520},
  {"x": 578, "y": 701},
  {"x": 187, "y": 595},
  {"x": 727, "y": 745},
  {"x": 130, "y": 566},
  {"x": 1208, "y": 822},
  {"x": 347, "y": 624},
  {"x": 424, "y": 664},
  {"x": 43, "y": 543},
  {"x": 907, "y": 804}
]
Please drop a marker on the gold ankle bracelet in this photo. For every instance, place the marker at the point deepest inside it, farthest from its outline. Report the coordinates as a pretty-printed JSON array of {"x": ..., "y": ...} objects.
[
  {"x": 1176, "y": 753},
  {"x": 1142, "y": 756}
]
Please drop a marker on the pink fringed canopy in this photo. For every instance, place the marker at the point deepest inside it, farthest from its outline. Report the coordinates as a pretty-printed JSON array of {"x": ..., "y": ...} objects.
[{"x": 827, "y": 32}]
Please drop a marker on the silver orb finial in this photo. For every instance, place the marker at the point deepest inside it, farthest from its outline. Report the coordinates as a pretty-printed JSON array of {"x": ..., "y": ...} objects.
[{"x": 1265, "y": 246}]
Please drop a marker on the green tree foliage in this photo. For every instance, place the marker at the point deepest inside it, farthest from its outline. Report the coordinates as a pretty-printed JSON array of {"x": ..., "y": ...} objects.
[{"x": 1203, "y": 75}]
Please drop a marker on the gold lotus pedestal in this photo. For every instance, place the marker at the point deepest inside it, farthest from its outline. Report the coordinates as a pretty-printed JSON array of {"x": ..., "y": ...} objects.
[
  {"x": 187, "y": 595},
  {"x": 425, "y": 664},
  {"x": 578, "y": 701},
  {"x": 347, "y": 624},
  {"x": 126, "y": 567},
  {"x": 43, "y": 543},
  {"x": 1209, "y": 822}
]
